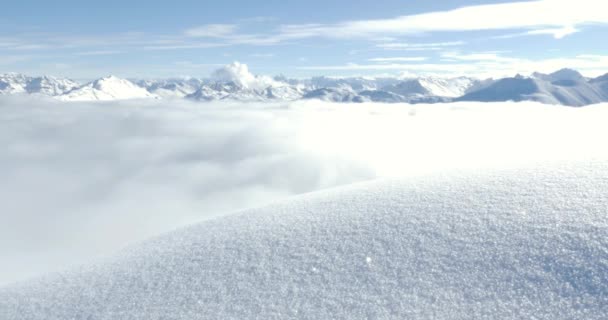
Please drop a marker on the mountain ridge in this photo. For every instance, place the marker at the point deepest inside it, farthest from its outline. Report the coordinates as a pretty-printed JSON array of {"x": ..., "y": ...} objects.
[{"x": 235, "y": 82}]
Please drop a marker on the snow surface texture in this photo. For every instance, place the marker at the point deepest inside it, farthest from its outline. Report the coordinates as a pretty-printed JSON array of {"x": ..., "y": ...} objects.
[
  {"x": 82, "y": 179},
  {"x": 517, "y": 244}
]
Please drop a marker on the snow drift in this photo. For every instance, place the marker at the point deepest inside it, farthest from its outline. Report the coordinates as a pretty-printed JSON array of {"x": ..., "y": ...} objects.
[{"x": 517, "y": 244}]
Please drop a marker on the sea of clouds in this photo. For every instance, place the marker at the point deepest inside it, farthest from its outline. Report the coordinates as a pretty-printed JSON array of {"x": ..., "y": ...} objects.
[{"x": 79, "y": 180}]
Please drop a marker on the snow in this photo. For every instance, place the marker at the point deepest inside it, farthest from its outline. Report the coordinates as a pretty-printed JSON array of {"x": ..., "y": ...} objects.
[
  {"x": 106, "y": 174},
  {"x": 451, "y": 87},
  {"x": 14, "y": 83},
  {"x": 171, "y": 88},
  {"x": 527, "y": 243},
  {"x": 564, "y": 87},
  {"x": 105, "y": 89},
  {"x": 236, "y": 82},
  {"x": 482, "y": 211}
]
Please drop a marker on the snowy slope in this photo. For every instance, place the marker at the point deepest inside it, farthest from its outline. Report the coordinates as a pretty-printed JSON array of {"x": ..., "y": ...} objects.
[
  {"x": 341, "y": 94},
  {"x": 448, "y": 87},
  {"x": 50, "y": 86},
  {"x": 520, "y": 244},
  {"x": 105, "y": 89},
  {"x": 171, "y": 88},
  {"x": 14, "y": 83},
  {"x": 564, "y": 87},
  {"x": 236, "y": 82}
]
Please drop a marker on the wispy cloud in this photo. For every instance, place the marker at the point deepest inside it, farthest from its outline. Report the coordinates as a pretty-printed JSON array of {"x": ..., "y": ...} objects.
[
  {"x": 555, "y": 17},
  {"x": 480, "y": 65},
  {"x": 183, "y": 46},
  {"x": 476, "y": 57},
  {"x": 399, "y": 59},
  {"x": 557, "y": 33},
  {"x": 97, "y": 53},
  {"x": 212, "y": 31},
  {"x": 10, "y": 59},
  {"x": 558, "y": 18},
  {"x": 419, "y": 46},
  {"x": 263, "y": 55}
]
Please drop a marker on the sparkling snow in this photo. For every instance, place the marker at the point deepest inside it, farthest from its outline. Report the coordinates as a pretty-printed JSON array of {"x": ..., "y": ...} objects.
[{"x": 452, "y": 246}]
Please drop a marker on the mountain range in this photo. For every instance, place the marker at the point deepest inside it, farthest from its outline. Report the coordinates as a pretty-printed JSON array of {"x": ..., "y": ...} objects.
[{"x": 234, "y": 82}]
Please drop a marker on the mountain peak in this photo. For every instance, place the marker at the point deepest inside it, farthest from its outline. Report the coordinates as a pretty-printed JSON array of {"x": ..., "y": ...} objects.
[
  {"x": 566, "y": 74},
  {"x": 108, "y": 88},
  {"x": 110, "y": 78}
]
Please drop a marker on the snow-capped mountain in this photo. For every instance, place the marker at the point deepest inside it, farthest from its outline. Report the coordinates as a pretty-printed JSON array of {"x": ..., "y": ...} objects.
[
  {"x": 50, "y": 86},
  {"x": 236, "y": 91},
  {"x": 420, "y": 90},
  {"x": 340, "y": 94},
  {"x": 13, "y": 83},
  {"x": 564, "y": 87},
  {"x": 355, "y": 83},
  {"x": 236, "y": 82},
  {"x": 108, "y": 88},
  {"x": 171, "y": 88}
]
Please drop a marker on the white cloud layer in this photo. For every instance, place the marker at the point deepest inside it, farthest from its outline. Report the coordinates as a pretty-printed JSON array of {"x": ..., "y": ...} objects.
[{"x": 80, "y": 179}]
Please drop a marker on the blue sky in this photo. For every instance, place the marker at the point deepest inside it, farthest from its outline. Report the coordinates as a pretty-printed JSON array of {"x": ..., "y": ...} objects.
[{"x": 482, "y": 38}]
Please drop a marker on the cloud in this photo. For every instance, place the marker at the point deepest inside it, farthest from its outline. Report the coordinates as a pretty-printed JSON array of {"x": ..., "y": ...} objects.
[
  {"x": 239, "y": 73},
  {"x": 556, "y": 17},
  {"x": 399, "y": 59},
  {"x": 419, "y": 46},
  {"x": 183, "y": 46},
  {"x": 212, "y": 31},
  {"x": 481, "y": 65},
  {"x": 557, "y": 33},
  {"x": 82, "y": 179},
  {"x": 10, "y": 59},
  {"x": 98, "y": 53},
  {"x": 477, "y": 57}
]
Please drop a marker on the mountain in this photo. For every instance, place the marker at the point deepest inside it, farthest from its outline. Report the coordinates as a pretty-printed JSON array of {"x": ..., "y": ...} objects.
[
  {"x": 510, "y": 244},
  {"x": 560, "y": 75},
  {"x": 236, "y": 82},
  {"x": 354, "y": 83},
  {"x": 105, "y": 89},
  {"x": 342, "y": 94},
  {"x": 600, "y": 79},
  {"x": 14, "y": 83},
  {"x": 564, "y": 87},
  {"x": 236, "y": 91},
  {"x": 449, "y": 87},
  {"x": 381, "y": 96},
  {"x": 171, "y": 88},
  {"x": 50, "y": 86},
  {"x": 412, "y": 87}
]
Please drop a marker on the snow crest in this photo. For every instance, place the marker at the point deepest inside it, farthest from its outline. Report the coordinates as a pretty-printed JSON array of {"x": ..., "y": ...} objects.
[{"x": 519, "y": 244}]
